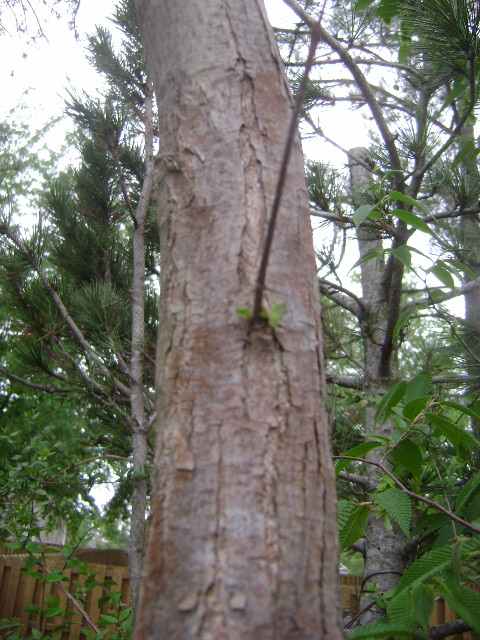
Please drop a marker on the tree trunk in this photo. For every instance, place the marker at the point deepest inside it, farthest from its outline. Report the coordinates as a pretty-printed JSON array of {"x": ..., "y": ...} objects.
[
  {"x": 243, "y": 537},
  {"x": 137, "y": 396},
  {"x": 384, "y": 548},
  {"x": 470, "y": 254}
]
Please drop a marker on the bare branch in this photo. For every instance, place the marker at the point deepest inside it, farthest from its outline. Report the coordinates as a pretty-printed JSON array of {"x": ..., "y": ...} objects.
[
  {"x": 448, "y": 629},
  {"x": 262, "y": 271},
  {"x": 349, "y": 382},
  {"x": 301, "y": 13},
  {"x": 356, "y": 478},
  {"x": 32, "y": 385},
  {"x": 429, "y": 301}
]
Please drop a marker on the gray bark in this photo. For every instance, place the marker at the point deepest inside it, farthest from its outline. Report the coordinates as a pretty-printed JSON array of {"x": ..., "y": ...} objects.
[
  {"x": 137, "y": 395},
  {"x": 243, "y": 536},
  {"x": 384, "y": 559}
]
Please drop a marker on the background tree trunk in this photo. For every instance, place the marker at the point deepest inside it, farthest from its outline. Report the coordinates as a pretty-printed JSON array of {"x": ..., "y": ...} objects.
[
  {"x": 384, "y": 547},
  {"x": 243, "y": 535}
]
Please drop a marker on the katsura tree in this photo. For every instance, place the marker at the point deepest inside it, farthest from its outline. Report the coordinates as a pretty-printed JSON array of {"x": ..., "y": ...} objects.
[
  {"x": 410, "y": 427},
  {"x": 242, "y": 541},
  {"x": 81, "y": 286}
]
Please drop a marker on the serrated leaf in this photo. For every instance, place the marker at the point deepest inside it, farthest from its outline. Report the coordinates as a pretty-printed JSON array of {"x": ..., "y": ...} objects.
[
  {"x": 380, "y": 630},
  {"x": 423, "y": 600},
  {"x": 467, "y": 491},
  {"x": 398, "y": 506},
  {"x": 400, "y": 610},
  {"x": 425, "y": 567},
  {"x": 412, "y": 220},
  {"x": 353, "y": 525},
  {"x": 464, "y": 601},
  {"x": 390, "y": 400},
  {"x": 409, "y": 455}
]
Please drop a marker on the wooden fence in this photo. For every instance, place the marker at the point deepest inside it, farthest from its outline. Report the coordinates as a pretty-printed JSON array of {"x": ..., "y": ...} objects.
[{"x": 19, "y": 590}]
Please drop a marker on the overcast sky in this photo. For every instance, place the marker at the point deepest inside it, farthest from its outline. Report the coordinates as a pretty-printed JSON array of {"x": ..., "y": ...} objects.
[{"x": 40, "y": 73}]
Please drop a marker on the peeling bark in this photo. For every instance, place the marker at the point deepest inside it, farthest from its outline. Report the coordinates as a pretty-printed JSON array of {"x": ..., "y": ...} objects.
[{"x": 243, "y": 536}]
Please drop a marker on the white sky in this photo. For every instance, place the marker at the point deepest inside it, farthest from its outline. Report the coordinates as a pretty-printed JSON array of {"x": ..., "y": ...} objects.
[{"x": 39, "y": 74}]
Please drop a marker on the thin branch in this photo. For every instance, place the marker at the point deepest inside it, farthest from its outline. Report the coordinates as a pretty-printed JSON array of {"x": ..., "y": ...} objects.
[
  {"x": 340, "y": 300},
  {"x": 33, "y": 385},
  {"x": 415, "y": 496},
  {"x": 366, "y": 91},
  {"x": 356, "y": 478},
  {"x": 349, "y": 382},
  {"x": 79, "y": 608},
  {"x": 347, "y": 292},
  {"x": 301, "y": 13},
  {"x": 429, "y": 301},
  {"x": 262, "y": 271},
  {"x": 448, "y": 629}
]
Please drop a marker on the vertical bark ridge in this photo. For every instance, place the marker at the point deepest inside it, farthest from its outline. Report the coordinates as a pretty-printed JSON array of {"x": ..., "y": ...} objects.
[{"x": 244, "y": 495}]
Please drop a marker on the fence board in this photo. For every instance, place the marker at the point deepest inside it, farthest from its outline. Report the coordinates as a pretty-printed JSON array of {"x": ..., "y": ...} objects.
[{"x": 17, "y": 590}]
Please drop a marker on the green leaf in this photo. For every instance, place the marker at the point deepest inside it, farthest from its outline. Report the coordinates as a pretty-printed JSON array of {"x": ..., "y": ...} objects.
[
  {"x": 397, "y": 196},
  {"x": 352, "y": 519},
  {"x": 467, "y": 491},
  {"x": 106, "y": 618},
  {"x": 415, "y": 407},
  {"x": 358, "y": 451},
  {"x": 276, "y": 313},
  {"x": 464, "y": 601},
  {"x": 370, "y": 255},
  {"x": 53, "y": 612},
  {"x": 454, "y": 433},
  {"x": 380, "y": 630},
  {"x": 360, "y": 5},
  {"x": 398, "y": 506},
  {"x": 388, "y": 9},
  {"x": 244, "y": 312},
  {"x": 390, "y": 400},
  {"x": 362, "y": 213},
  {"x": 467, "y": 411},
  {"x": 425, "y": 567},
  {"x": 423, "y": 600},
  {"x": 411, "y": 219},
  {"x": 418, "y": 387},
  {"x": 409, "y": 455},
  {"x": 400, "y": 610},
  {"x": 403, "y": 254},
  {"x": 443, "y": 274},
  {"x": 55, "y": 576}
]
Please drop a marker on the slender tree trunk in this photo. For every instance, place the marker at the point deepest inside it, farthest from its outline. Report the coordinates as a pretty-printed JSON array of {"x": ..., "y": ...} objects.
[
  {"x": 384, "y": 548},
  {"x": 470, "y": 253},
  {"x": 242, "y": 542},
  {"x": 137, "y": 396}
]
